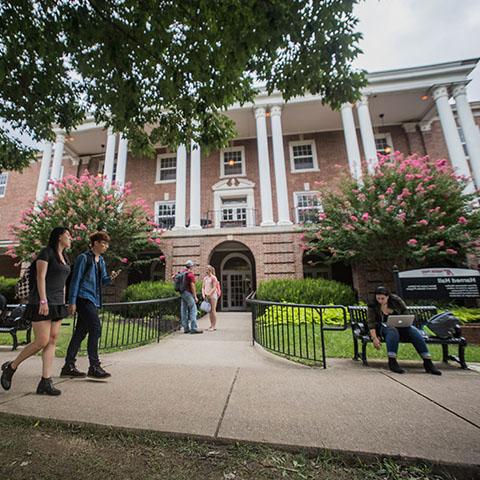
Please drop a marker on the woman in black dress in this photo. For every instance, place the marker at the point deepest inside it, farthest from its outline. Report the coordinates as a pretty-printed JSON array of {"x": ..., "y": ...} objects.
[{"x": 46, "y": 308}]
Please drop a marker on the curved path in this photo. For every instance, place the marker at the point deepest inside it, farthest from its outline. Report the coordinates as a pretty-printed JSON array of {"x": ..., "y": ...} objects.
[{"x": 217, "y": 385}]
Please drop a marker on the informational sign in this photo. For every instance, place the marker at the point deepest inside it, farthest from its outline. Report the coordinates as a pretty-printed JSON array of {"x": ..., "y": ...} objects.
[{"x": 438, "y": 283}]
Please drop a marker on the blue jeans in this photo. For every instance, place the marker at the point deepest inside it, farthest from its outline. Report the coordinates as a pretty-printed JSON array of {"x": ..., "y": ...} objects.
[
  {"x": 413, "y": 335},
  {"x": 188, "y": 311},
  {"x": 88, "y": 323}
]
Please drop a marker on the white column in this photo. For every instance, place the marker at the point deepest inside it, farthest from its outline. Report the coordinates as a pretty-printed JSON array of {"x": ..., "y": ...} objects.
[
  {"x": 121, "y": 161},
  {"x": 57, "y": 157},
  {"x": 42, "y": 184},
  {"x": 471, "y": 132},
  {"x": 366, "y": 131},
  {"x": 109, "y": 156},
  {"x": 264, "y": 168},
  {"x": 351, "y": 142},
  {"x": 195, "y": 184},
  {"x": 279, "y": 162},
  {"x": 451, "y": 135},
  {"x": 180, "y": 188}
]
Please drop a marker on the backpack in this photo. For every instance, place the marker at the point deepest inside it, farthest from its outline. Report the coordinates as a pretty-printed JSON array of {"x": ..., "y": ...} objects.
[
  {"x": 444, "y": 325},
  {"x": 25, "y": 284},
  {"x": 179, "y": 281}
]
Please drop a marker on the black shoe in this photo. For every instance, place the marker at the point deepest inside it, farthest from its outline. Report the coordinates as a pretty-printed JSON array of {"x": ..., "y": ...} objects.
[
  {"x": 394, "y": 366},
  {"x": 45, "y": 387},
  {"x": 98, "y": 372},
  {"x": 72, "y": 371},
  {"x": 186, "y": 330},
  {"x": 7, "y": 374},
  {"x": 196, "y": 331},
  {"x": 430, "y": 367}
]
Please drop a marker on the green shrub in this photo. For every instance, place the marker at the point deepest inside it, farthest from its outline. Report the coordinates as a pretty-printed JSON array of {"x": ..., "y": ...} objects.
[
  {"x": 467, "y": 315},
  {"x": 148, "y": 291},
  {"x": 276, "y": 315},
  {"x": 7, "y": 288},
  {"x": 306, "y": 291}
]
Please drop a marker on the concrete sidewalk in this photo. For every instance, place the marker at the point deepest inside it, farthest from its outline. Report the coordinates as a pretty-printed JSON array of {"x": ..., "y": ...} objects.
[{"x": 217, "y": 385}]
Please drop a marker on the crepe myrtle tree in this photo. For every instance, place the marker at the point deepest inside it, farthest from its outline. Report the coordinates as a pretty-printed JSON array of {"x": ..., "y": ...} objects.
[
  {"x": 169, "y": 66},
  {"x": 85, "y": 205},
  {"x": 411, "y": 212}
]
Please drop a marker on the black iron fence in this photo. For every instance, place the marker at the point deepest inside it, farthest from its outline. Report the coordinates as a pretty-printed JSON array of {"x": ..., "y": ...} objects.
[
  {"x": 128, "y": 324},
  {"x": 295, "y": 330}
]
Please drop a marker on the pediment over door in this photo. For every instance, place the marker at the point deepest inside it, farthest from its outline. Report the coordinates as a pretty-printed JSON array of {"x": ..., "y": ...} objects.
[{"x": 229, "y": 184}]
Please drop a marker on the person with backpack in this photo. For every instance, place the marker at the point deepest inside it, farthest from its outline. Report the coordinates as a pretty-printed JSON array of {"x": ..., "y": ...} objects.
[
  {"x": 85, "y": 298},
  {"x": 211, "y": 293},
  {"x": 45, "y": 309},
  {"x": 185, "y": 284},
  {"x": 386, "y": 304}
]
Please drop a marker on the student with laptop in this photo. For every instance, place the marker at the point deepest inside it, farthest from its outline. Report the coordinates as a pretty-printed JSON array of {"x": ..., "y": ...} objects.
[{"x": 388, "y": 319}]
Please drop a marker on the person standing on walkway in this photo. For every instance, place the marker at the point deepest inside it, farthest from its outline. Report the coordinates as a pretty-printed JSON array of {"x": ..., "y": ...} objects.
[
  {"x": 189, "y": 300},
  {"x": 211, "y": 293},
  {"x": 386, "y": 304},
  {"x": 45, "y": 309},
  {"x": 85, "y": 298}
]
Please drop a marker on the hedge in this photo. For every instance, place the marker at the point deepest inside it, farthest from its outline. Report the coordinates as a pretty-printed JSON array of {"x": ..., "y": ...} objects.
[
  {"x": 7, "y": 288},
  {"x": 306, "y": 291}
]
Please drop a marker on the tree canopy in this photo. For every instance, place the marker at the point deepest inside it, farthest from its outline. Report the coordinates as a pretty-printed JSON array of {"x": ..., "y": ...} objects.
[{"x": 164, "y": 70}]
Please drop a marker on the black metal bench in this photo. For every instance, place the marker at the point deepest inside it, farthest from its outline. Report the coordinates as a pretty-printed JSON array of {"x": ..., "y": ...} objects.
[
  {"x": 11, "y": 321},
  {"x": 361, "y": 333}
]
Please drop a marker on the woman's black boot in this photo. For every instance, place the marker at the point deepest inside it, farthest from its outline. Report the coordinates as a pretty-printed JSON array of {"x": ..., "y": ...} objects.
[
  {"x": 45, "y": 387},
  {"x": 430, "y": 367},
  {"x": 7, "y": 374},
  {"x": 394, "y": 366}
]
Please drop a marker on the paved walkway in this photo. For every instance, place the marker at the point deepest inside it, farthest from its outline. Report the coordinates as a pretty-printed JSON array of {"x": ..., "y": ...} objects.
[{"x": 217, "y": 385}]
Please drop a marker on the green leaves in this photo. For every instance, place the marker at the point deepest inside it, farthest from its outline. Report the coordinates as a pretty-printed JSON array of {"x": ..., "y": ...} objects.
[{"x": 173, "y": 67}]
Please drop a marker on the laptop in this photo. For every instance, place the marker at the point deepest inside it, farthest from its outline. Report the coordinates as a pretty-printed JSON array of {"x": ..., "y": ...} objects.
[{"x": 400, "y": 321}]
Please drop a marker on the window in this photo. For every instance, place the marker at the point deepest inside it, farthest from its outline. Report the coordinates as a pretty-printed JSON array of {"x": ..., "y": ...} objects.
[
  {"x": 166, "y": 168},
  {"x": 383, "y": 143},
  {"x": 307, "y": 207},
  {"x": 464, "y": 143},
  {"x": 101, "y": 169},
  {"x": 232, "y": 162},
  {"x": 303, "y": 156},
  {"x": 165, "y": 214},
  {"x": 234, "y": 212},
  {"x": 3, "y": 184}
]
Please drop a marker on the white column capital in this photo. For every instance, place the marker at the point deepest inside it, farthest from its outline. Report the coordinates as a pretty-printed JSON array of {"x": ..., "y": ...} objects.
[
  {"x": 260, "y": 112},
  {"x": 346, "y": 106},
  {"x": 362, "y": 101},
  {"x": 440, "y": 91},
  {"x": 459, "y": 89},
  {"x": 60, "y": 138},
  {"x": 275, "y": 110}
]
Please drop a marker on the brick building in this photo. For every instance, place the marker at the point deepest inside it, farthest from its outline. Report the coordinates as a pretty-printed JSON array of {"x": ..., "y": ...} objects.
[{"x": 240, "y": 208}]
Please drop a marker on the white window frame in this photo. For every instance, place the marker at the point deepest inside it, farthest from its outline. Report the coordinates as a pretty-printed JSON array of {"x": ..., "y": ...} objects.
[
  {"x": 314, "y": 154},
  {"x": 163, "y": 202},
  {"x": 388, "y": 137},
  {"x": 319, "y": 208},
  {"x": 3, "y": 185},
  {"x": 222, "y": 161},
  {"x": 160, "y": 157},
  {"x": 101, "y": 168}
]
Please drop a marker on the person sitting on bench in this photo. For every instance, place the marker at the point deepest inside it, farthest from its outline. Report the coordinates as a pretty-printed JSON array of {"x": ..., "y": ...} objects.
[{"x": 385, "y": 304}]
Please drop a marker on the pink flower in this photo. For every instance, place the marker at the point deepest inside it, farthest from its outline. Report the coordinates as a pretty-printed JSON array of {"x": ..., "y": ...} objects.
[
  {"x": 158, "y": 241},
  {"x": 162, "y": 258},
  {"x": 353, "y": 218},
  {"x": 441, "y": 243},
  {"x": 381, "y": 197},
  {"x": 365, "y": 216},
  {"x": 390, "y": 209},
  {"x": 462, "y": 220},
  {"x": 412, "y": 242},
  {"x": 322, "y": 216},
  {"x": 451, "y": 251},
  {"x": 409, "y": 176},
  {"x": 423, "y": 222},
  {"x": 402, "y": 216},
  {"x": 124, "y": 260}
]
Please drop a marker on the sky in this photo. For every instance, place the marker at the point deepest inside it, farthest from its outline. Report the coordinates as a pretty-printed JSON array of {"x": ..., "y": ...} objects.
[{"x": 409, "y": 33}]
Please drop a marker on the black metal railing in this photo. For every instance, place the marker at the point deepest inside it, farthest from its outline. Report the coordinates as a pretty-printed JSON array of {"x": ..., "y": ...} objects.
[
  {"x": 127, "y": 324},
  {"x": 295, "y": 330}
]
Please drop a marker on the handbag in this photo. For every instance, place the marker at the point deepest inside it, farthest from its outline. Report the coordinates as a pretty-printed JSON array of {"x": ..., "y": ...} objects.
[{"x": 205, "y": 306}]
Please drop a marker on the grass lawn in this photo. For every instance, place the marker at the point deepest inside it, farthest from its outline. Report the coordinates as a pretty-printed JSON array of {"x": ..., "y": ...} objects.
[
  {"x": 115, "y": 333},
  {"x": 304, "y": 340},
  {"x": 45, "y": 449}
]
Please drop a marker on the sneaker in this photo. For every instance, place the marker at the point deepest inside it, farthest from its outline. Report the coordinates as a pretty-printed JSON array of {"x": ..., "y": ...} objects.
[
  {"x": 97, "y": 372},
  {"x": 72, "y": 371},
  {"x": 45, "y": 387},
  {"x": 196, "y": 331},
  {"x": 186, "y": 330},
  {"x": 7, "y": 374}
]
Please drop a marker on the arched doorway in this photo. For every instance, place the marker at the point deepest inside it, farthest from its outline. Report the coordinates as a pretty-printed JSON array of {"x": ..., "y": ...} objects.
[{"x": 235, "y": 266}]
